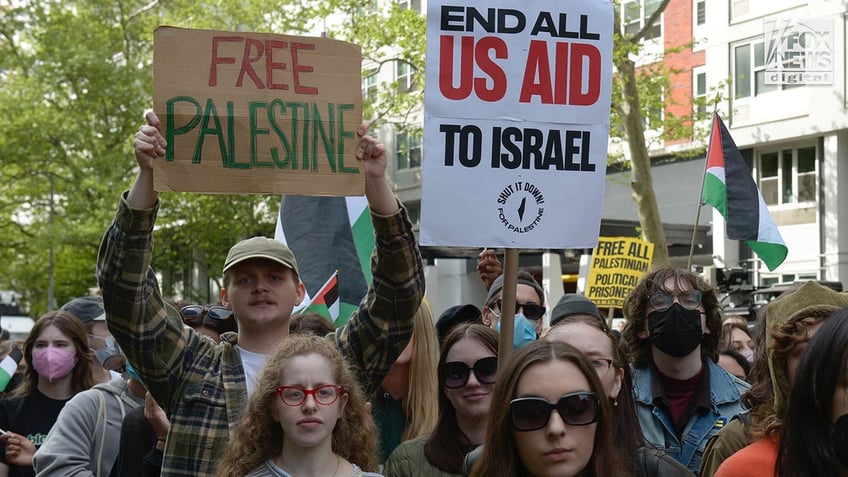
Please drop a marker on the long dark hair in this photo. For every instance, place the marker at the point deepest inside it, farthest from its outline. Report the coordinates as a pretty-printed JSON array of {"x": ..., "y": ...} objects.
[
  {"x": 500, "y": 455},
  {"x": 72, "y": 327},
  {"x": 806, "y": 447},
  {"x": 627, "y": 430},
  {"x": 447, "y": 445}
]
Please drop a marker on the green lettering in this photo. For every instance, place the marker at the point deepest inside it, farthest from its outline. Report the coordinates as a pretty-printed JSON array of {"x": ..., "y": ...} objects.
[
  {"x": 275, "y": 155},
  {"x": 342, "y": 136},
  {"x": 211, "y": 113},
  {"x": 170, "y": 130},
  {"x": 294, "y": 119},
  {"x": 252, "y": 107},
  {"x": 318, "y": 129}
]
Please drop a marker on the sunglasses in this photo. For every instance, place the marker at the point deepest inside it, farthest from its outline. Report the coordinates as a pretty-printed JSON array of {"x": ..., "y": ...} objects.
[
  {"x": 532, "y": 311},
  {"x": 195, "y": 313},
  {"x": 296, "y": 395},
  {"x": 533, "y": 413},
  {"x": 661, "y": 301},
  {"x": 456, "y": 373}
]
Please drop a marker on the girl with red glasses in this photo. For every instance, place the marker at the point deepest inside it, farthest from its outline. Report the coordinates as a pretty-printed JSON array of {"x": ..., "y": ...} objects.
[{"x": 306, "y": 417}]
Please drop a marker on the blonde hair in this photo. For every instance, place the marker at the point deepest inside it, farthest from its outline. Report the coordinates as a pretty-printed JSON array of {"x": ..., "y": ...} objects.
[
  {"x": 421, "y": 405},
  {"x": 259, "y": 437}
]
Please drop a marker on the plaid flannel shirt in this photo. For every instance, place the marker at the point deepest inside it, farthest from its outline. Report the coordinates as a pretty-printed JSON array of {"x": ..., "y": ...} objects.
[{"x": 202, "y": 384}]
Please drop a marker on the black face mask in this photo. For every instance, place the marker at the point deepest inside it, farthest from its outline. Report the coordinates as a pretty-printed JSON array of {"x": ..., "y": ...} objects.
[
  {"x": 840, "y": 439},
  {"x": 675, "y": 331}
]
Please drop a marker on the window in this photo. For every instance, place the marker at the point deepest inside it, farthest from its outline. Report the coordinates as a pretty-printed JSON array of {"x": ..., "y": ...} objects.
[
  {"x": 635, "y": 13},
  {"x": 414, "y": 5},
  {"x": 749, "y": 73},
  {"x": 408, "y": 150},
  {"x": 699, "y": 95},
  {"x": 403, "y": 76},
  {"x": 700, "y": 12},
  {"x": 788, "y": 176},
  {"x": 369, "y": 86}
]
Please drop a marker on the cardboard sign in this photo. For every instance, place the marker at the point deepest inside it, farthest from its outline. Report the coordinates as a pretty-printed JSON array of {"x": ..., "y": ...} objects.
[
  {"x": 617, "y": 265},
  {"x": 516, "y": 123},
  {"x": 257, "y": 113}
]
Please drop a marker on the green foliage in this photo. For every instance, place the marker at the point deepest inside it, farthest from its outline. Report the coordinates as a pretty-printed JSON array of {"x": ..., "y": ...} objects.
[
  {"x": 389, "y": 36},
  {"x": 75, "y": 78}
]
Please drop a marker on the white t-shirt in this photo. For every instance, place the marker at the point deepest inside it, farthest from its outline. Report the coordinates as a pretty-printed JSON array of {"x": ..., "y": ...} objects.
[{"x": 253, "y": 364}]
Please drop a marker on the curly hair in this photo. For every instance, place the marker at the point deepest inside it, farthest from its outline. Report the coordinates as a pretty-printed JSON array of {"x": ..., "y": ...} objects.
[
  {"x": 636, "y": 305},
  {"x": 806, "y": 439},
  {"x": 765, "y": 420},
  {"x": 72, "y": 327},
  {"x": 500, "y": 453},
  {"x": 259, "y": 437}
]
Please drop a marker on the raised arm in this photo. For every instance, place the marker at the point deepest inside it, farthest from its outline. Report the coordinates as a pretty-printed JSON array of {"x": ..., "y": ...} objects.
[{"x": 381, "y": 327}]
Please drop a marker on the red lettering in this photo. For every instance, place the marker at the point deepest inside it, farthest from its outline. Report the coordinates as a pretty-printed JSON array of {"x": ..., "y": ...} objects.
[
  {"x": 466, "y": 67},
  {"x": 567, "y": 87},
  {"x": 576, "y": 96},
  {"x": 297, "y": 68},
  {"x": 247, "y": 61},
  {"x": 561, "y": 74},
  {"x": 218, "y": 60},
  {"x": 271, "y": 65},
  {"x": 537, "y": 65},
  {"x": 481, "y": 56}
]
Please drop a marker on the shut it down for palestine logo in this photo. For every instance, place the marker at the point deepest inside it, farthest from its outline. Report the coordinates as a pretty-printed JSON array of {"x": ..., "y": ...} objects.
[{"x": 521, "y": 207}]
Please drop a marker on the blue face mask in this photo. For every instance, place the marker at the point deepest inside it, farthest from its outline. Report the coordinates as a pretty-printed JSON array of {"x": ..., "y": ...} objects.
[
  {"x": 523, "y": 331},
  {"x": 133, "y": 374},
  {"x": 111, "y": 350}
]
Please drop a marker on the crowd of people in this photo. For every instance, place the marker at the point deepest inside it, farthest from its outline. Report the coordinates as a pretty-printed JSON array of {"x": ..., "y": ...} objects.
[{"x": 128, "y": 383}]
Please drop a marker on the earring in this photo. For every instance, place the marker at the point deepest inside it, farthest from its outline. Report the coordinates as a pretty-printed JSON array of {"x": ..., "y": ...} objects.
[{"x": 615, "y": 402}]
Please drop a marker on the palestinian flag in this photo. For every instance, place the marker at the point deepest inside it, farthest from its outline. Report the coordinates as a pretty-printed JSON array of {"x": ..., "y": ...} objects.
[
  {"x": 729, "y": 187},
  {"x": 329, "y": 235},
  {"x": 326, "y": 301},
  {"x": 8, "y": 366}
]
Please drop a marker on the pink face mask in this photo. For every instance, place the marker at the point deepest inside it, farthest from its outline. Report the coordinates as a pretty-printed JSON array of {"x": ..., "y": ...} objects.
[{"x": 53, "y": 363}]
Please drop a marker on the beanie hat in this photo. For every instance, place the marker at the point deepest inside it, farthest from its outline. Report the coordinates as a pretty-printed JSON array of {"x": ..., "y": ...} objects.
[
  {"x": 524, "y": 278},
  {"x": 574, "y": 304}
]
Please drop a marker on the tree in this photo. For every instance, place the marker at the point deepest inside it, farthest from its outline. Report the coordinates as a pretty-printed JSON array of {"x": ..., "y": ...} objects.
[
  {"x": 637, "y": 99},
  {"x": 75, "y": 78}
]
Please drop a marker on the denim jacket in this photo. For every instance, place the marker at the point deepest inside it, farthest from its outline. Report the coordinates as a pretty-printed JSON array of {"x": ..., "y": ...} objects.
[{"x": 657, "y": 426}]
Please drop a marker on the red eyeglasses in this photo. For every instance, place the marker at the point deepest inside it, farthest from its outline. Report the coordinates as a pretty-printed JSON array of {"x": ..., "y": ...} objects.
[{"x": 296, "y": 395}]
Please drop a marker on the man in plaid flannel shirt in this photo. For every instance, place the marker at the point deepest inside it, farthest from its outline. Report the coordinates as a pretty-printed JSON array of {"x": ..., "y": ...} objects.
[{"x": 204, "y": 386}]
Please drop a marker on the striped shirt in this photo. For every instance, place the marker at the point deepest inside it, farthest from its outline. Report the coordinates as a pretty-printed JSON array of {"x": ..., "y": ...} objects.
[{"x": 200, "y": 383}]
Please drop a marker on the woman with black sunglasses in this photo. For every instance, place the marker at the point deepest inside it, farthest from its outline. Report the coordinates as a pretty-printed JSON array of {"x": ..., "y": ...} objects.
[
  {"x": 468, "y": 366},
  {"x": 209, "y": 320},
  {"x": 556, "y": 422}
]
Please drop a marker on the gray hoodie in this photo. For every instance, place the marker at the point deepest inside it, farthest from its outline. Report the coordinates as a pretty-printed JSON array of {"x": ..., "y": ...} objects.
[{"x": 84, "y": 441}]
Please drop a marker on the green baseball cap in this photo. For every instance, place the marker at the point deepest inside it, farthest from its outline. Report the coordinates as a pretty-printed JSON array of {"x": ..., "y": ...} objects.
[{"x": 260, "y": 247}]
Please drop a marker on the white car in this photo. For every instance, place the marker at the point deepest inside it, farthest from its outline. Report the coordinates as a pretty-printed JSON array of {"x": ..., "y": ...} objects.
[{"x": 18, "y": 326}]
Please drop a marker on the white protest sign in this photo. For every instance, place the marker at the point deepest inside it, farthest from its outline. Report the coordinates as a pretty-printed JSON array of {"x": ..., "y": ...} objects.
[{"x": 516, "y": 123}]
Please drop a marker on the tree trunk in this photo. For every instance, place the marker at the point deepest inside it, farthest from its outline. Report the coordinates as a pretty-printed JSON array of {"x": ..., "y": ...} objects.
[{"x": 642, "y": 184}]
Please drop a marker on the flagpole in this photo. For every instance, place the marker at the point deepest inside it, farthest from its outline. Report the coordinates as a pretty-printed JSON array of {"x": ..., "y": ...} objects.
[{"x": 701, "y": 190}]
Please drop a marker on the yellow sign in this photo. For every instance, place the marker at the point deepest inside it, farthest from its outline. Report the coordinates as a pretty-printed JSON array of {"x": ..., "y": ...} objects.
[
  {"x": 617, "y": 265},
  {"x": 257, "y": 113}
]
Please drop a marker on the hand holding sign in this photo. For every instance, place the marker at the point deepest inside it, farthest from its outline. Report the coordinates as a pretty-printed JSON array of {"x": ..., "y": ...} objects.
[{"x": 149, "y": 144}]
